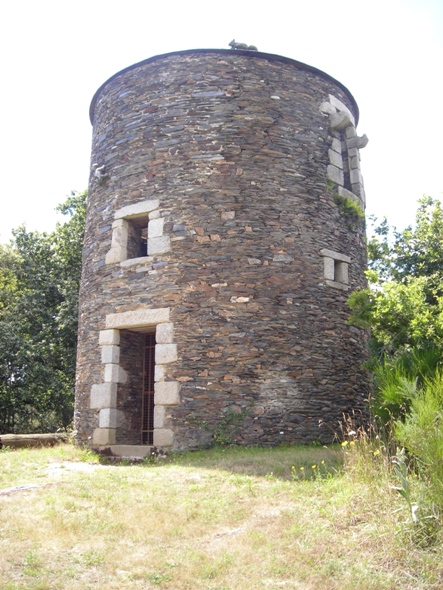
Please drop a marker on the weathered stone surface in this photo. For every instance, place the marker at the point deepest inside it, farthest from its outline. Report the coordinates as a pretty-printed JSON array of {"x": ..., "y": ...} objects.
[
  {"x": 167, "y": 393},
  {"x": 109, "y": 418},
  {"x": 155, "y": 227},
  {"x": 335, "y": 174},
  {"x": 103, "y": 395},
  {"x": 340, "y": 106},
  {"x": 163, "y": 438},
  {"x": 339, "y": 121},
  {"x": 138, "y": 318},
  {"x": 164, "y": 333},
  {"x": 165, "y": 353},
  {"x": 114, "y": 374},
  {"x": 158, "y": 245},
  {"x": 110, "y": 354},
  {"x": 335, "y": 255},
  {"x": 137, "y": 210},
  {"x": 159, "y": 416},
  {"x": 109, "y": 337},
  {"x": 103, "y": 437},
  {"x": 240, "y": 181},
  {"x": 335, "y": 159},
  {"x": 329, "y": 268}
]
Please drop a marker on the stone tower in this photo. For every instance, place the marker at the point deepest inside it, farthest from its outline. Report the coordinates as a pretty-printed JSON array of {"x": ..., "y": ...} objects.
[{"x": 221, "y": 244}]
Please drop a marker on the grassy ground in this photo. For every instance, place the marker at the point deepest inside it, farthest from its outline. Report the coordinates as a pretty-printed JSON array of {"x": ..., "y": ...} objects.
[{"x": 225, "y": 519}]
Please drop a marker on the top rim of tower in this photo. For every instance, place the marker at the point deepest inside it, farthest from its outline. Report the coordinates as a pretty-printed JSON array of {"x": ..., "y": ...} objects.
[{"x": 245, "y": 52}]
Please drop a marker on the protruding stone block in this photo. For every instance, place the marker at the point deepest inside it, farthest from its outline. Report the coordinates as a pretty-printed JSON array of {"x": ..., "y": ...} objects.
[
  {"x": 358, "y": 142},
  {"x": 159, "y": 245},
  {"x": 103, "y": 436},
  {"x": 109, "y": 337},
  {"x": 166, "y": 393},
  {"x": 164, "y": 333},
  {"x": 163, "y": 438},
  {"x": 350, "y": 133},
  {"x": 339, "y": 121},
  {"x": 103, "y": 395},
  {"x": 340, "y": 106},
  {"x": 110, "y": 354},
  {"x": 115, "y": 374},
  {"x": 165, "y": 353},
  {"x": 155, "y": 227},
  {"x": 327, "y": 108},
  {"x": 137, "y": 210}
]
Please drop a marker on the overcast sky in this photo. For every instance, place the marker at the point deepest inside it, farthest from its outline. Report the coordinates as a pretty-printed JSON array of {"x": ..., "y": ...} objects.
[{"x": 54, "y": 56}]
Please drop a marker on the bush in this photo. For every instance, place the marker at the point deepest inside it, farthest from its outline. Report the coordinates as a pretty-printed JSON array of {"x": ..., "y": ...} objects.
[{"x": 421, "y": 433}]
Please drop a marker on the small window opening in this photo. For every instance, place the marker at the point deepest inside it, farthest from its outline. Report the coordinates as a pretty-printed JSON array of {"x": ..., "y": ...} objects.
[
  {"x": 143, "y": 241},
  {"x": 341, "y": 272},
  {"x": 137, "y": 238},
  {"x": 147, "y": 434}
]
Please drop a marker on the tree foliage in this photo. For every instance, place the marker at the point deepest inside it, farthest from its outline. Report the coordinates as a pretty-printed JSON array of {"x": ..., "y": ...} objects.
[
  {"x": 403, "y": 305},
  {"x": 39, "y": 281}
]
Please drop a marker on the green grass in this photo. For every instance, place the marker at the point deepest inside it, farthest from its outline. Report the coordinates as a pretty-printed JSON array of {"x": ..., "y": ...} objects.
[{"x": 225, "y": 519}]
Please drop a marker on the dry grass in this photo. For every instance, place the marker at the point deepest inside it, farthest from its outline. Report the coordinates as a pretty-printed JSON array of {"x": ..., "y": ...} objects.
[{"x": 225, "y": 519}]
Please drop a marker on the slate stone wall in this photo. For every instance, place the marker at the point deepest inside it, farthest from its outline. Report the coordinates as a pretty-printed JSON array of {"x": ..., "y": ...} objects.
[{"x": 235, "y": 147}]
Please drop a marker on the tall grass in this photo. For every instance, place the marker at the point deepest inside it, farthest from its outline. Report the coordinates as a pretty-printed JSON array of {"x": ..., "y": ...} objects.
[{"x": 224, "y": 519}]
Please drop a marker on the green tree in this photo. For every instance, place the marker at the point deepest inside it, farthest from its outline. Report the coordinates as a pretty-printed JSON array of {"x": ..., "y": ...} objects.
[
  {"x": 38, "y": 323},
  {"x": 403, "y": 305}
]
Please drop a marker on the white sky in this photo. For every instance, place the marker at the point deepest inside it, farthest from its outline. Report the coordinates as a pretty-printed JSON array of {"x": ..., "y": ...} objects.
[{"x": 55, "y": 54}]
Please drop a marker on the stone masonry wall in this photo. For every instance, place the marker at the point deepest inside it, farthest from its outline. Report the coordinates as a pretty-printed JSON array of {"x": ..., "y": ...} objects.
[{"x": 234, "y": 160}]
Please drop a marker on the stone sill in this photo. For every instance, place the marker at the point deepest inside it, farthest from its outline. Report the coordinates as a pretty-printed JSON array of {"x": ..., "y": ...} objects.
[
  {"x": 135, "y": 261},
  {"x": 131, "y": 451}
]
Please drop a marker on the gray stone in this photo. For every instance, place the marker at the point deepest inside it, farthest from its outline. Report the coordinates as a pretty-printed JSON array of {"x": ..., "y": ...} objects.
[
  {"x": 339, "y": 121},
  {"x": 335, "y": 159},
  {"x": 137, "y": 210},
  {"x": 335, "y": 174},
  {"x": 165, "y": 353},
  {"x": 103, "y": 395},
  {"x": 335, "y": 255},
  {"x": 110, "y": 354},
  {"x": 159, "y": 245},
  {"x": 164, "y": 333},
  {"x": 138, "y": 318},
  {"x": 336, "y": 145},
  {"x": 155, "y": 227},
  {"x": 109, "y": 337},
  {"x": 357, "y": 142},
  {"x": 114, "y": 374},
  {"x": 103, "y": 437},
  {"x": 163, "y": 438},
  {"x": 109, "y": 418},
  {"x": 159, "y": 416}
]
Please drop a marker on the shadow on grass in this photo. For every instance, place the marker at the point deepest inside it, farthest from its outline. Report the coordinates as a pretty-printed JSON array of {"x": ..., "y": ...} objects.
[{"x": 286, "y": 462}]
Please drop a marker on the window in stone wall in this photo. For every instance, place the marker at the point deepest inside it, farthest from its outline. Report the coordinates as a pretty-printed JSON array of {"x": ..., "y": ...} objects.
[
  {"x": 336, "y": 269},
  {"x": 137, "y": 232}
]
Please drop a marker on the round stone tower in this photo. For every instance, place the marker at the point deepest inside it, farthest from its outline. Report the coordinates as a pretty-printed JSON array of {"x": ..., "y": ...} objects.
[{"x": 225, "y": 231}]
